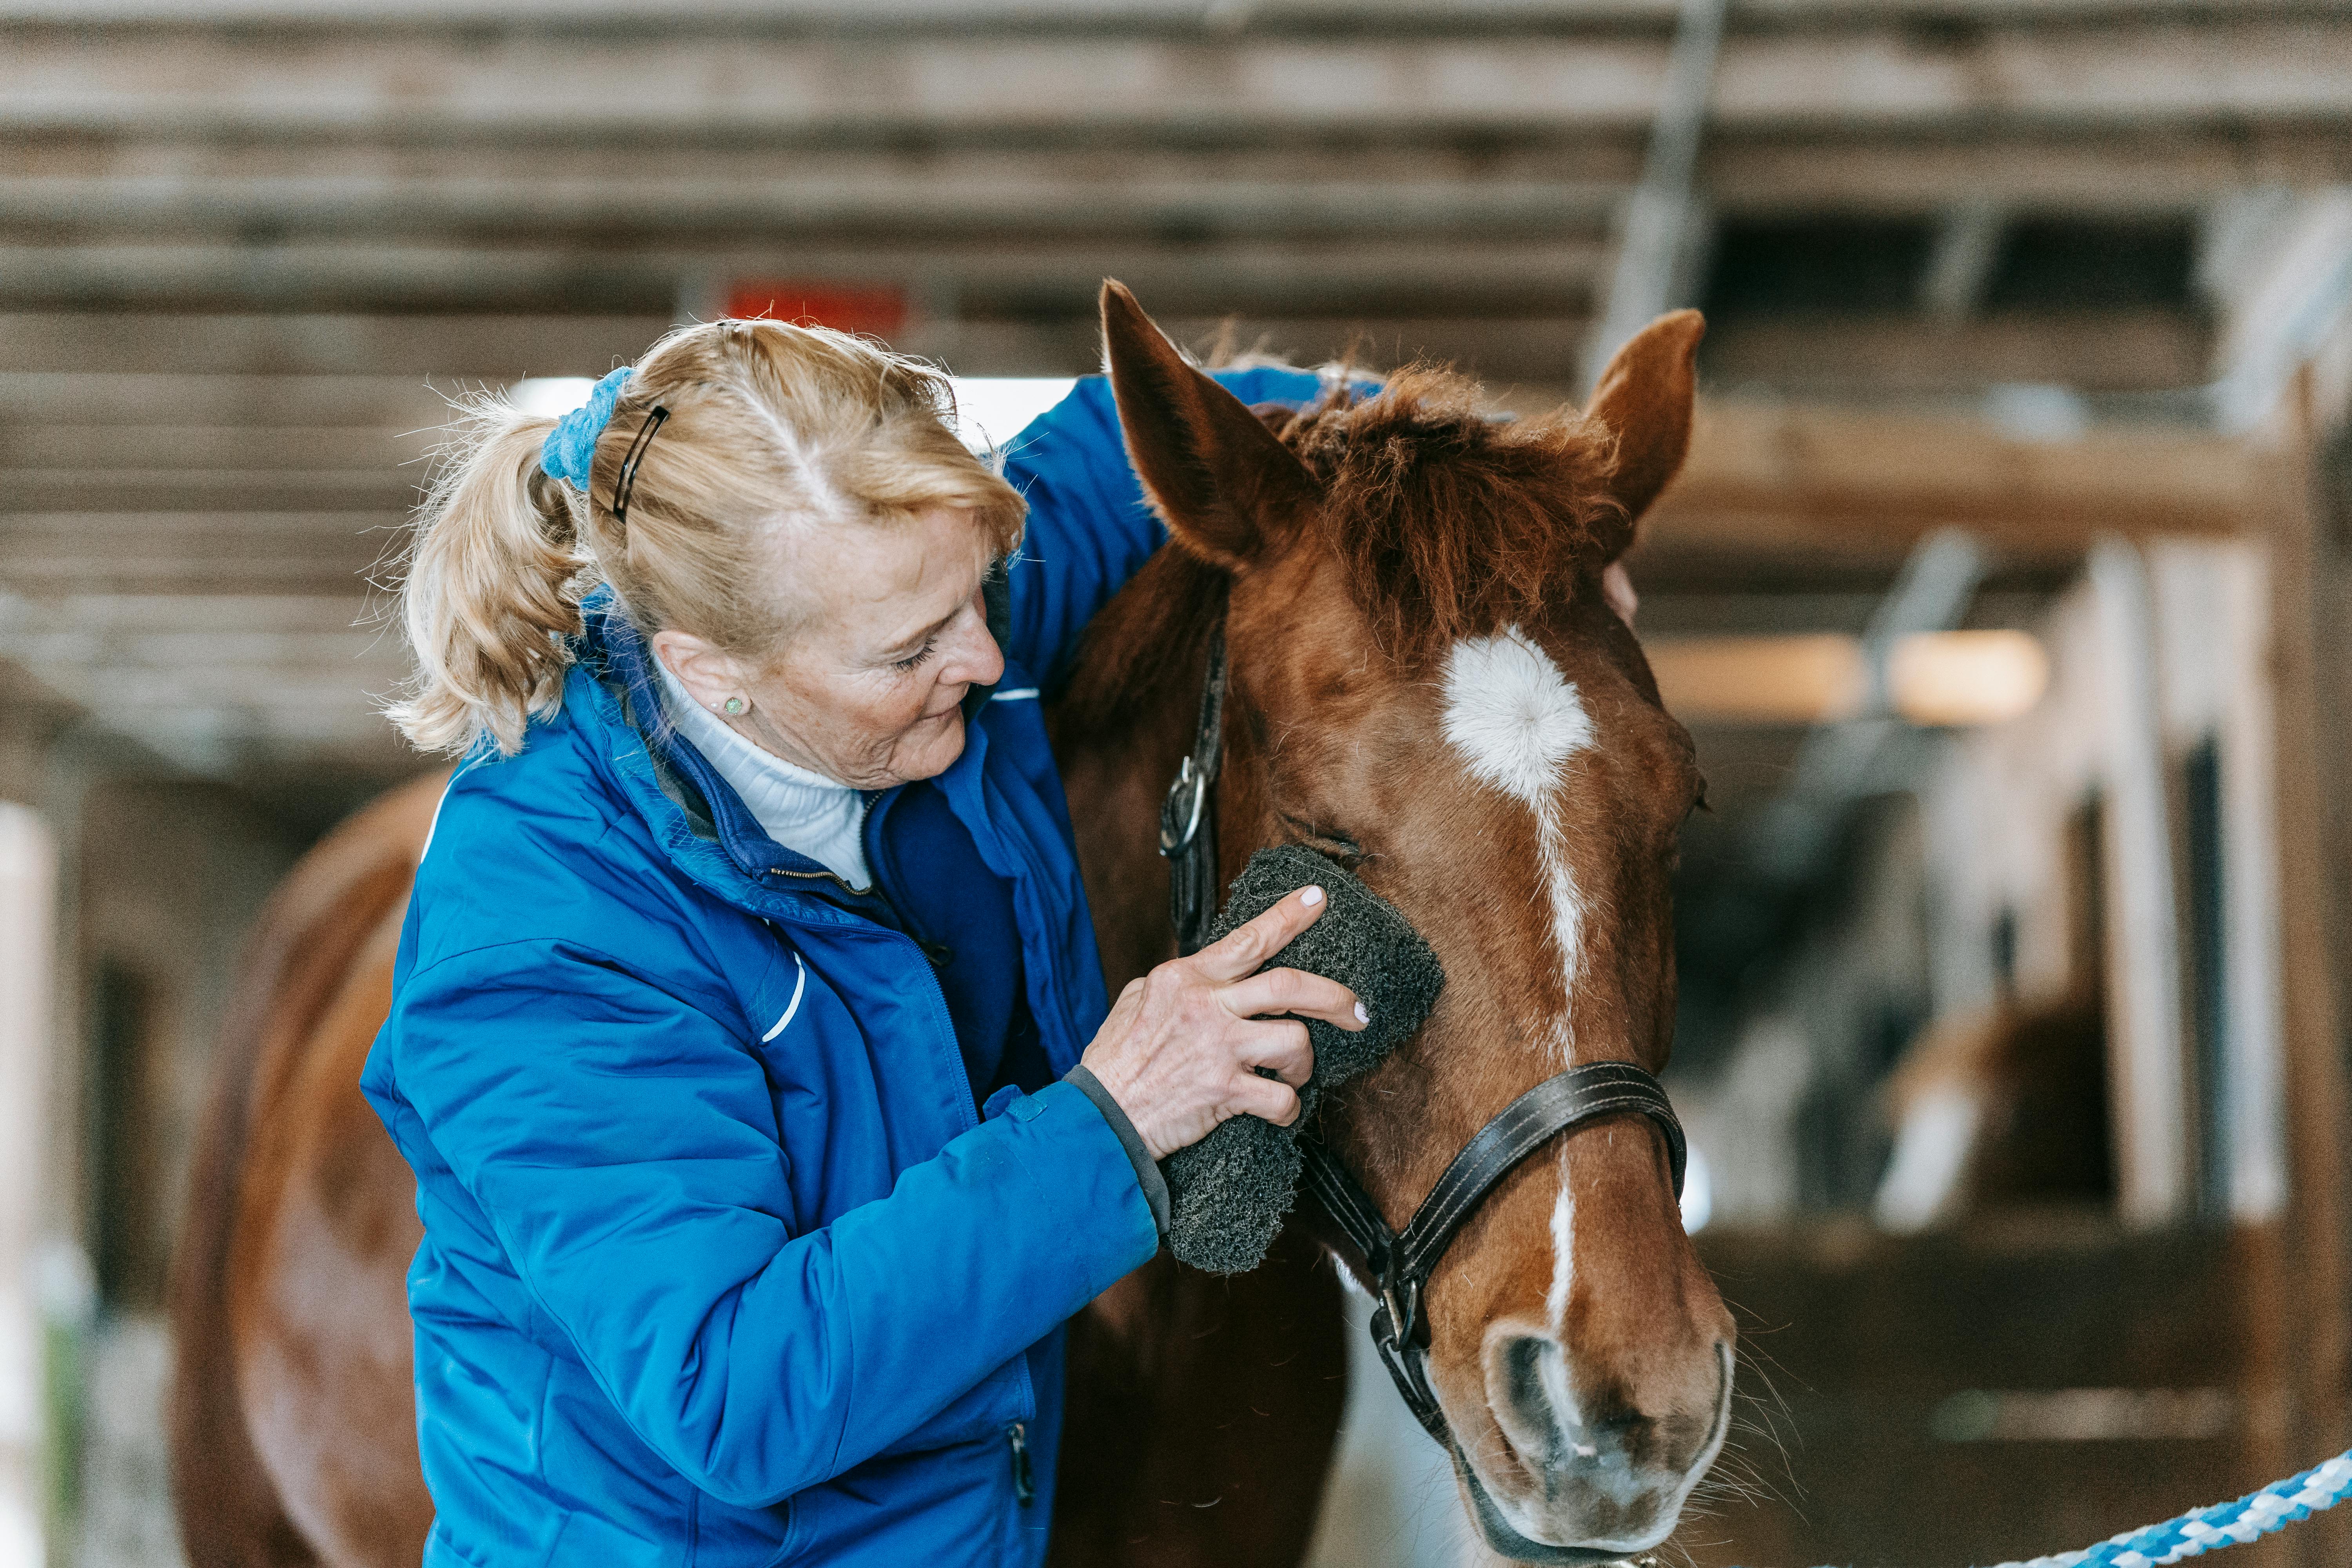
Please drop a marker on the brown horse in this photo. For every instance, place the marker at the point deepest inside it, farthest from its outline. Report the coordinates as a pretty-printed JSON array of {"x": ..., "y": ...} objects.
[{"x": 1428, "y": 685}]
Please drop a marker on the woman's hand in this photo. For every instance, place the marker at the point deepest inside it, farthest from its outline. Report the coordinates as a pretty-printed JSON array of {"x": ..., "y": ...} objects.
[{"x": 1179, "y": 1049}]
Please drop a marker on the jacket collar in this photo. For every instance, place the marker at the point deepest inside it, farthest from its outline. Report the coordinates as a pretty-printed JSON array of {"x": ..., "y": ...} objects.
[
  {"x": 618, "y": 662},
  {"x": 613, "y": 649}
]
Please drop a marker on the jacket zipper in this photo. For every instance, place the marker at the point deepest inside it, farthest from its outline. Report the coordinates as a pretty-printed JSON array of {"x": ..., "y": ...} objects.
[{"x": 1024, "y": 1478}]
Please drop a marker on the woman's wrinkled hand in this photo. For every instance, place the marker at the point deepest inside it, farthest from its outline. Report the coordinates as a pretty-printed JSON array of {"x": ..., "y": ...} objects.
[{"x": 1182, "y": 1048}]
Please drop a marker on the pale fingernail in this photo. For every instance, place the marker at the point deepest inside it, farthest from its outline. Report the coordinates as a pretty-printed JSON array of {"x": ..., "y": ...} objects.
[
  {"x": 1363, "y": 1014},
  {"x": 1311, "y": 897}
]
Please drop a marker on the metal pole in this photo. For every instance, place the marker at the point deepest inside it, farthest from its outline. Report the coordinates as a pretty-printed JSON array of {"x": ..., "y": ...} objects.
[{"x": 1656, "y": 217}]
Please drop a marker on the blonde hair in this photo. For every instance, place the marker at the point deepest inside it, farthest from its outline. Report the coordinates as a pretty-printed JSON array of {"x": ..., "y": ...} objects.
[{"x": 774, "y": 430}]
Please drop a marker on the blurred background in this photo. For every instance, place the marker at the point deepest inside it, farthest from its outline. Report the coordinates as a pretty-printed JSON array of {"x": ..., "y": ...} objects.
[{"x": 2006, "y": 592}]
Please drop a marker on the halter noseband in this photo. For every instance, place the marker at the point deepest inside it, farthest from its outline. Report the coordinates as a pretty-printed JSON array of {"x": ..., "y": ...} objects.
[{"x": 1399, "y": 1264}]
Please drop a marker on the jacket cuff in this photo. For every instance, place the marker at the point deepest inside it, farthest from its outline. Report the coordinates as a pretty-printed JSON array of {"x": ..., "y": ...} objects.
[{"x": 1147, "y": 1173}]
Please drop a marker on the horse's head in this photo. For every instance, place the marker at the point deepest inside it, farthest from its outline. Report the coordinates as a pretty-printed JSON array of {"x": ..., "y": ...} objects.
[{"x": 1429, "y": 685}]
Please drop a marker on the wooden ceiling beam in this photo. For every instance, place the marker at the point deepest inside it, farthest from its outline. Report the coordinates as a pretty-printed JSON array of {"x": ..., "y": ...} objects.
[
  {"x": 1810, "y": 484},
  {"x": 2072, "y": 169},
  {"x": 473, "y": 346},
  {"x": 880, "y": 203},
  {"x": 1473, "y": 183},
  {"x": 69, "y": 397},
  {"x": 1177, "y": 17},
  {"x": 108, "y": 616},
  {"x": 45, "y": 555},
  {"x": 827, "y": 18},
  {"x": 1264, "y": 276},
  {"x": 197, "y": 449},
  {"x": 111, "y": 490},
  {"x": 1893, "y": 356},
  {"x": 420, "y": 84}
]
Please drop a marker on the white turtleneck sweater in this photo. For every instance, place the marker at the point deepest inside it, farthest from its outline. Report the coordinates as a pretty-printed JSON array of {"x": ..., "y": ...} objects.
[{"x": 807, "y": 813}]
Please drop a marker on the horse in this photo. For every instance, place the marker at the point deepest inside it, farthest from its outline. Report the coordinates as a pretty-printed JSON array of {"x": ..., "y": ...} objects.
[{"x": 1427, "y": 685}]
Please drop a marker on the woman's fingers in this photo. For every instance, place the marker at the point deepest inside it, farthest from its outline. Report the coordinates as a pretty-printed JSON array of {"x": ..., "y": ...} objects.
[
  {"x": 1294, "y": 991},
  {"x": 1281, "y": 1046},
  {"x": 1269, "y": 1097},
  {"x": 1250, "y": 944}
]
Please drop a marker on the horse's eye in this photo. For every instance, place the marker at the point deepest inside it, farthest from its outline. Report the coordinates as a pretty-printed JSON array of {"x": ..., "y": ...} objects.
[{"x": 1323, "y": 840}]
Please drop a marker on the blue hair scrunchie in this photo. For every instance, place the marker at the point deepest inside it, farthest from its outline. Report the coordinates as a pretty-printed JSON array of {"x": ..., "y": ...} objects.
[{"x": 570, "y": 446}]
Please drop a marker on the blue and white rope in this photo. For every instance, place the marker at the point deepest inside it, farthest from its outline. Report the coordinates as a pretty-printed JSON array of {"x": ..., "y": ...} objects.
[{"x": 2249, "y": 1518}]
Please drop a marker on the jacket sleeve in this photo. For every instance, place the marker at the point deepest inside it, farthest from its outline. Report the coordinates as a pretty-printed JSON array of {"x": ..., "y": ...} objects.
[
  {"x": 623, "y": 1146},
  {"x": 1089, "y": 527}
]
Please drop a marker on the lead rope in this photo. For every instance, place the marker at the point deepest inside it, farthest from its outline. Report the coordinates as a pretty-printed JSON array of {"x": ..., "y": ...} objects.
[{"x": 2193, "y": 1535}]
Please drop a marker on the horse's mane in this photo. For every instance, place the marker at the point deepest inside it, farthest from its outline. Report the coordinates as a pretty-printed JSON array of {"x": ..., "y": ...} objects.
[
  {"x": 1448, "y": 524},
  {"x": 1445, "y": 523}
]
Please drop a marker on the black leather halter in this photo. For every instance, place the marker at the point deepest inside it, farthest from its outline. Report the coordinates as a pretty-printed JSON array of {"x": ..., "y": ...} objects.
[{"x": 1399, "y": 1265}]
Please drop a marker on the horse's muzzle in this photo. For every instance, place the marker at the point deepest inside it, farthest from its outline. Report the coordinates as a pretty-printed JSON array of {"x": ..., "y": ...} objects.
[{"x": 1577, "y": 1487}]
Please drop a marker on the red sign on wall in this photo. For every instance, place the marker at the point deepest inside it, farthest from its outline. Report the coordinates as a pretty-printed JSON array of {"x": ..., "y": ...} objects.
[{"x": 879, "y": 310}]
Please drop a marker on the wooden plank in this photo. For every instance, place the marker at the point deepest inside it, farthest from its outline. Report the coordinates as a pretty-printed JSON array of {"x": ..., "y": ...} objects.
[
  {"x": 1180, "y": 17},
  {"x": 1184, "y": 186},
  {"x": 221, "y": 489},
  {"x": 138, "y": 615},
  {"x": 473, "y": 347},
  {"x": 874, "y": 202},
  {"x": 1898, "y": 354},
  {"x": 456, "y": 349},
  {"x": 72, "y": 398},
  {"x": 195, "y": 447},
  {"x": 2072, "y": 168},
  {"x": 2307, "y": 510},
  {"x": 47, "y": 553},
  {"x": 1769, "y": 478},
  {"x": 210, "y": 659},
  {"x": 1277, "y": 278},
  {"x": 414, "y": 84},
  {"x": 1793, "y": 680},
  {"x": 29, "y": 1047}
]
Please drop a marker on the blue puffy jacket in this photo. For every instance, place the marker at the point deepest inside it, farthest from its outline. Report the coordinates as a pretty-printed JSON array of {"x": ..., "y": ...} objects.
[{"x": 720, "y": 1266}]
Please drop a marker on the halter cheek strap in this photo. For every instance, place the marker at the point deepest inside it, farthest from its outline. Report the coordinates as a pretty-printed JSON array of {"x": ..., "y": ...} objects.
[{"x": 1188, "y": 816}]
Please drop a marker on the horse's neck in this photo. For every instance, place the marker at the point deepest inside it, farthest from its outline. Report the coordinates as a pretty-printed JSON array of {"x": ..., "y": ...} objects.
[{"x": 1119, "y": 733}]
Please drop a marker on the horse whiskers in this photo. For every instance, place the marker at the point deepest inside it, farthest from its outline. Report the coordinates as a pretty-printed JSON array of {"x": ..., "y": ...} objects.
[
  {"x": 1722, "y": 1487},
  {"x": 1748, "y": 1475}
]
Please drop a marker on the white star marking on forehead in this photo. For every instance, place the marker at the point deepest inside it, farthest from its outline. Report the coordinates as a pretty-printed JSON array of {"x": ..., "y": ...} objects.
[{"x": 1510, "y": 711}]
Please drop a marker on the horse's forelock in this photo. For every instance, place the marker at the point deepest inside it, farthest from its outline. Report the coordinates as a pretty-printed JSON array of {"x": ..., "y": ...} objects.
[{"x": 1449, "y": 523}]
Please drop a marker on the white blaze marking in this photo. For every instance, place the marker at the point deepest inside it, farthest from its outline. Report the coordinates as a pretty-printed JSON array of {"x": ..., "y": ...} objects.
[
  {"x": 1563, "y": 1252},
  {"x": 1517, "y": 720}
]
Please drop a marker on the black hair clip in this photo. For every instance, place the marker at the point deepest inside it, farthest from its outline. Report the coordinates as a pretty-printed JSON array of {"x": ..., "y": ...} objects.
[{"x": 628, "y": 480}]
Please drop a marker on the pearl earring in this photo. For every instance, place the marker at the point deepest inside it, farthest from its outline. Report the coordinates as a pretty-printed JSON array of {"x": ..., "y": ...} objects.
[{"x": 733, "y": 706}]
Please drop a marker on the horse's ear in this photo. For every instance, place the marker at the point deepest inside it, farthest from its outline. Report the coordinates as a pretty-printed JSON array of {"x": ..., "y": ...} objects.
[
  {"x": 1646, "y": 398},
  {"x": 1213, "y": 470}
]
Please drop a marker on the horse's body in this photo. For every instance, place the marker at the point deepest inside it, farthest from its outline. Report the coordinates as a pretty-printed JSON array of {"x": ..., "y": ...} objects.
[{"x": 1201, "y": 1411}]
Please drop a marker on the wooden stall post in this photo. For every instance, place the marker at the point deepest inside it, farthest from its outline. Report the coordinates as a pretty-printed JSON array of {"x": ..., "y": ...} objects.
[
  {"x": 2311, "y": 564},
  {"x": 27, "y": 886}
]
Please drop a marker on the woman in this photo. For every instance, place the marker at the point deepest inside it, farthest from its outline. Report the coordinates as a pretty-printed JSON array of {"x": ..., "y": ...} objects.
[{"x": 748, "y": 1038}]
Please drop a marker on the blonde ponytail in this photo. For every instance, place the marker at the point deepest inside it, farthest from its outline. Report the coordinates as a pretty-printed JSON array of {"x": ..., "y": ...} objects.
[
  {"x": 772, "y": 428},
  {"x": 493, "y": 588}
]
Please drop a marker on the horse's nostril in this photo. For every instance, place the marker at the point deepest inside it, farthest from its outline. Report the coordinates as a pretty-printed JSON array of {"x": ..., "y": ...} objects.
[{"x": 1528, "y": 1389}]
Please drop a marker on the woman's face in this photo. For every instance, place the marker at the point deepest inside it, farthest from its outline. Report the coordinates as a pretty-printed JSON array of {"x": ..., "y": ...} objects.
[{"x": 868, "y": 692}]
